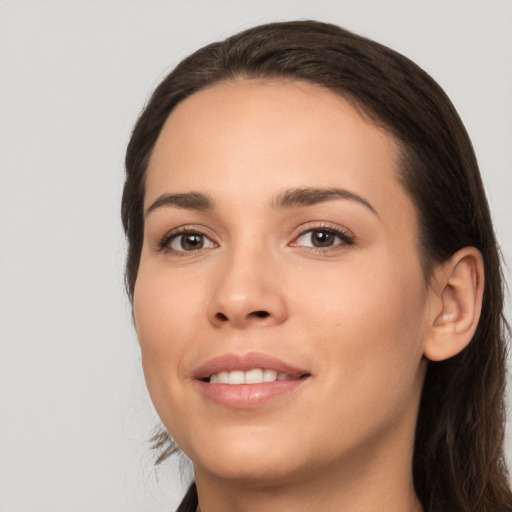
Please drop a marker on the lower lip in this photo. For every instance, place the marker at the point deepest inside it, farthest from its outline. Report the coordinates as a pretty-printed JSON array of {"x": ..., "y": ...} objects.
[{"x": 245, "y": 396}]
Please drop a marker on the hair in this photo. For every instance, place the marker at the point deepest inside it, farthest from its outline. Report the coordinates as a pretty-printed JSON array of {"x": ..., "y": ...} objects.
[{"x": 458, "y": 461}]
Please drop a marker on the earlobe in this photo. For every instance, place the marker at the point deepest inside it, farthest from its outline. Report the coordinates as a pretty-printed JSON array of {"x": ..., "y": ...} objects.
[{"x": 458, "y": 292}]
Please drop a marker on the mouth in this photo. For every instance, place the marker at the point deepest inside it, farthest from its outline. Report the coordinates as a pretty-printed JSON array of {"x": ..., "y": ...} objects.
[
  {"x": 253, "y": 376},
  {"x": 249, "y": 380},
  {"x": 250, "y": 368}
]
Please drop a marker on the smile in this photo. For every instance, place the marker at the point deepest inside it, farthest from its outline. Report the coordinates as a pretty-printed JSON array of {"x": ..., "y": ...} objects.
[
  {"x": 247, "y": 381},
  {"x": 254, "y": 376}
]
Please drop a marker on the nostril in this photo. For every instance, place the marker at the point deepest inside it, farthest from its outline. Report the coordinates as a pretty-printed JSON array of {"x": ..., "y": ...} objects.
[
  {"x": 221, "y": 317},
  {"x": 261, "y": 314}
]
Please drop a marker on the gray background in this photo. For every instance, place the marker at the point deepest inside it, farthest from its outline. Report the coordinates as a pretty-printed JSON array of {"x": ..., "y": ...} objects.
[{"x": 74, "y": 414}]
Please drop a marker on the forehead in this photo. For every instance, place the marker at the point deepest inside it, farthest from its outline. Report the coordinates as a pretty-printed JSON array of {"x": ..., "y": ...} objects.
[
  {"x": 265, "y": 113},
  {"x": 250, "y": 138}
]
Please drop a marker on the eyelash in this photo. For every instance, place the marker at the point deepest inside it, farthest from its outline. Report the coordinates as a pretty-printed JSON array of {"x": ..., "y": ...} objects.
[
  {"x": 345, "y": 237},
  {"x": 165, "y": 243}
]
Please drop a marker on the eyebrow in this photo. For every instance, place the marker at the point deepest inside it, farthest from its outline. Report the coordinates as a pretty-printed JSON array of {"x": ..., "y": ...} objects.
[
  {"x": 293, "y": 198},
  {"x": 188, "y": 200},
  {"x": 307, "y": 196}
]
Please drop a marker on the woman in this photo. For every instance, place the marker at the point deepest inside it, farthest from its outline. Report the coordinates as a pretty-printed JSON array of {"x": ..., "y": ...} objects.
[{"x": 315, "y": 280}]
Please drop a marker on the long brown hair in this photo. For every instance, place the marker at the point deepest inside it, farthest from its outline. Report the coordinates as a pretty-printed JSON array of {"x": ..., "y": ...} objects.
[{"x": 458, "y": 460}]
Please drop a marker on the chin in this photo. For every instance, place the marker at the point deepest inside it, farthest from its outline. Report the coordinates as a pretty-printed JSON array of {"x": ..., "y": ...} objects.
[
  {"x": 248, "y": 457},
  {"x": 261, "y": 472}
]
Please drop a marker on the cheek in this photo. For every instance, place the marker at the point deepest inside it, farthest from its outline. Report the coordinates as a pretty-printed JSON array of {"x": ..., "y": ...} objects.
[
  {"x": 165, "y": 320},
  {"x": 371, "y": 346},
  {"x": 371, "y": 327},
  {"x": 166, "y": 306}
]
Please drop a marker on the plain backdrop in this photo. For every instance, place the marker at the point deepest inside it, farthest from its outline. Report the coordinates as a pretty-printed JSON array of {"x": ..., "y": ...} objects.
[{"x": 74, "y": 74}]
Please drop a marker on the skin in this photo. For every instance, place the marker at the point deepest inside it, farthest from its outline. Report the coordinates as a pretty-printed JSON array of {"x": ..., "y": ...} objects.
[{"x": 357, "y": 316}]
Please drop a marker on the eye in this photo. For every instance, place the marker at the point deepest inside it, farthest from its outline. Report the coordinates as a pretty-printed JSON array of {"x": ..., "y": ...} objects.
[
  {"x": 188, "y": 242},
  {"x": 322, "y": 238}
]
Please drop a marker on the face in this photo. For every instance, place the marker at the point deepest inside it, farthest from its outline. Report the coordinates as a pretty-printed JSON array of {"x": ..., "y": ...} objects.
[{"x": 280, "y": 302}]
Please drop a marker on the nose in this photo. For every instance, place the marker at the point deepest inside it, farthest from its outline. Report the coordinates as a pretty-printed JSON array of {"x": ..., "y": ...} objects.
[{"x": 248, "y": 292}]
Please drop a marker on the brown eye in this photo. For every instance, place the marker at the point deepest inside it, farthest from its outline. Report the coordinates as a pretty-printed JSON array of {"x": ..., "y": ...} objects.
[
  {"x": 322, "y": 238},
  {"x": 190, "y": 242}
]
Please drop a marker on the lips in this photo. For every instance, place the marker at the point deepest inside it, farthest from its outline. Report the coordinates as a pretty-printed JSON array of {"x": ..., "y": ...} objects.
[
  {"x": 249, "y": 380},
  {"x": 246, "y": 363}
]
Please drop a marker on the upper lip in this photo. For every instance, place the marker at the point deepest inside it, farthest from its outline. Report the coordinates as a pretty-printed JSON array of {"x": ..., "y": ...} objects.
[{"x": 246, "y": 362}]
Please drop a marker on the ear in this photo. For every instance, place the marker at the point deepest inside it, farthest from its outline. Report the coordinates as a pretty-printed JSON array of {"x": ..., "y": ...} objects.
[{"x": 457, "y": 292}]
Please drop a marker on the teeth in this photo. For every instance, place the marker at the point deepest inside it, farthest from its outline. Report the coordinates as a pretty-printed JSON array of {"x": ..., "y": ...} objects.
[
  {"x": 254, "y": 376},
  {"x": 223, "y": 378},
  {"x": 269, "y": 376},
  {"x": 237, "y": 377}
]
